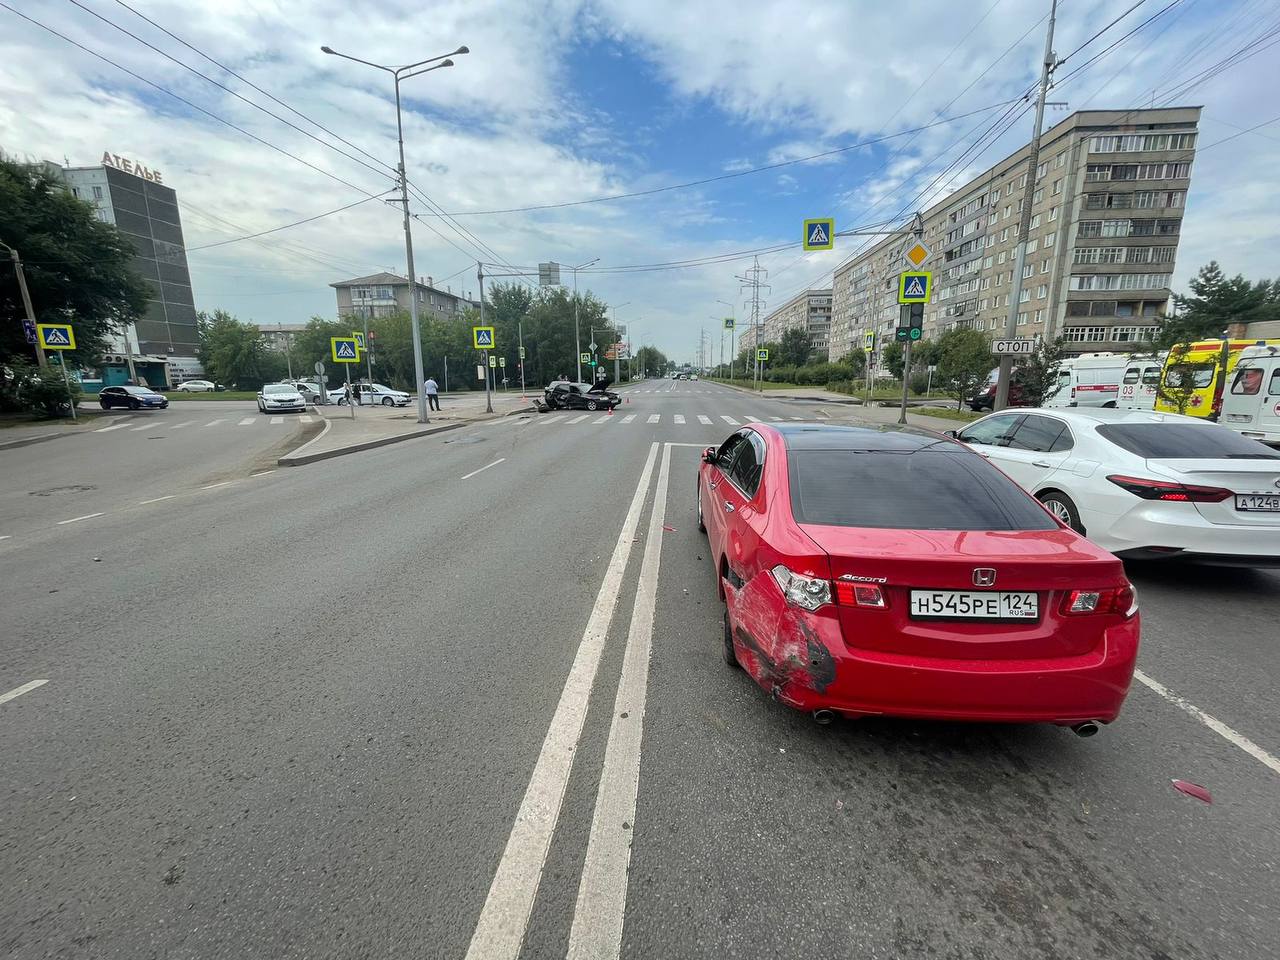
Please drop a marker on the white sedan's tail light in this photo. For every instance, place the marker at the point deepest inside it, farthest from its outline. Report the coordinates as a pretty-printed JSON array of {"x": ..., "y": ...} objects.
[{"x": 810, "y": 593}]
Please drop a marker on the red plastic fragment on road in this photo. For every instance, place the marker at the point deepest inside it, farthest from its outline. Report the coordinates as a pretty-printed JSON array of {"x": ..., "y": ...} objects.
[
  {"x": 668, "y": 529},
  {"x": 1192, "y": 790}
]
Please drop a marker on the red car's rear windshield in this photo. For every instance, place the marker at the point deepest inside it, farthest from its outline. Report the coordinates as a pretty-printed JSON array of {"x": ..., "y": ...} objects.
[{"x": 938, "y": 487}]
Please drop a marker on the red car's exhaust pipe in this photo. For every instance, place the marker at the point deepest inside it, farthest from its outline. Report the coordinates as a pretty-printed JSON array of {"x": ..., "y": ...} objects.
[{"x": 1086, "y": 729}]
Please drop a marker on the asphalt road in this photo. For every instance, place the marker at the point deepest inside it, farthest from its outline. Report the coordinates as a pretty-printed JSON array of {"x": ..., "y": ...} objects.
[{"x": 427, "y": 701}]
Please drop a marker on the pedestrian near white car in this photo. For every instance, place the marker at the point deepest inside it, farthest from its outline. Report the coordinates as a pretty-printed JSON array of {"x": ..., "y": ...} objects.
[
  {"x": 1143, "y": 485},
  {"x": 280, "y": 398}
]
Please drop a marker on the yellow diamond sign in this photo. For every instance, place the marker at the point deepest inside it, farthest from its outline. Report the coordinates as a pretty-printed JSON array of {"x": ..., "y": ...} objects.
[{"x": 916, "y": 254}]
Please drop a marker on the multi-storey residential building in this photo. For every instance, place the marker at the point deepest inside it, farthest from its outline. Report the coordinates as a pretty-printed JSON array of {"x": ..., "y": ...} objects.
[
  {"x": 1106, "y": 215},
  {"x": 385, "y": 293},
  {"x": 808, "y": 310}
]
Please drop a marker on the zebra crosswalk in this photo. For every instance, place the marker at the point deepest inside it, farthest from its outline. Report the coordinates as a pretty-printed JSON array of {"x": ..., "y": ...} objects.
[
  {"x": 656, "y": 419},
  {"x": 158, "y": 423}
]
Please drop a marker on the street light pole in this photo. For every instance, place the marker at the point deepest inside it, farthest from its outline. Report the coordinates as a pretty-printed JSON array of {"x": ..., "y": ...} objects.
[
  {"x": 398, "y": 74},
  {"x": 733, "y": 313}
]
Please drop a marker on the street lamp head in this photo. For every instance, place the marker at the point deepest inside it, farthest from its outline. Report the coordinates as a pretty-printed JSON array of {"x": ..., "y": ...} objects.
[
  {"x": 327, "y": 50},
  {"x": 446, "y": 63},
  {"x": 461, "y": 50}
]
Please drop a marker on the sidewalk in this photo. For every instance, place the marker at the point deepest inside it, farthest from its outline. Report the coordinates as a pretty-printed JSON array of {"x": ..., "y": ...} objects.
[
  {"x": 18, "y": 431},
  {"x": 378, "y": 426}
]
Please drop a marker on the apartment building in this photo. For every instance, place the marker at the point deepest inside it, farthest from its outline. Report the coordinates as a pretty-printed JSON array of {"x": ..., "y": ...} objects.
[
  {"x": 808, "y": 310},
  {"x": 382, "y": 294},
  {"x": 1106, "y": 216}
]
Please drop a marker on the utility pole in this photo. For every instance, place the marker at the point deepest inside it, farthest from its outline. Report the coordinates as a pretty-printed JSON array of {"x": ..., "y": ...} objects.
[
  {"x": 1024, "y": 228},
  {"x": 752, "y": 279},
  {"x": 488, "y": 395},
  {"x": 26, "y": 299},
  {"x": 368, "y": 347},
  {"x": 577, "y": 336}
]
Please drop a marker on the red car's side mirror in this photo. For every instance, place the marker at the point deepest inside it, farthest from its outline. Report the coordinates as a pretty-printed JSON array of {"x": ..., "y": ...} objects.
[{"x": 709, "y": 455}]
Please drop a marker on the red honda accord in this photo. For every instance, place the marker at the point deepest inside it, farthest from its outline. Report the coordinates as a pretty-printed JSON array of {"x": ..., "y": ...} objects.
[{"x": 893, "y": 571}]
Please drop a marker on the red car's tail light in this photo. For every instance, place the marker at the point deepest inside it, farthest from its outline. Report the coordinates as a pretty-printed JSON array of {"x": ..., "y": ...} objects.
[
  {"x": 851, "y": 594},
  {"x": 1169, "y": 491},
  {"x": 1121, "y": 601},
  {"x": 809, "y": 593}
]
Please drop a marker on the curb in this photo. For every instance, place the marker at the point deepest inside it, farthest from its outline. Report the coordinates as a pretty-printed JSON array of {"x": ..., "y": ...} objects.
[
  {"x": 27, "y": 441},
  {"x": 773, "y": 396},
  {"x": 297, "y": 458}
]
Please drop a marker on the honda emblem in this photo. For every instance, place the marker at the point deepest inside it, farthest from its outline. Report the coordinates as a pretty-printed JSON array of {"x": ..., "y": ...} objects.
[{"x": 984, "y": 577}]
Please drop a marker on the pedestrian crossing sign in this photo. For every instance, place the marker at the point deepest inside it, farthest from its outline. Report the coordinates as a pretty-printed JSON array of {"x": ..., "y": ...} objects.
[
  {"x": 56, "y": 336},
  {"x": 914, "y": 285},
  {"x": 762, "y": 354},
  {"x": 482, "y": 337},
  {"x": 344, "y": 349},
  {"x": 585, "y": 357},
  {"x": 820, "y": 234},
  {"x": 358, "y": 337},
  {"x": 728, "y": 323}
]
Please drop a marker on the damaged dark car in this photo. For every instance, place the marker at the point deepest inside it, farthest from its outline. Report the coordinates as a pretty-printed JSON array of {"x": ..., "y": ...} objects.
[{"x": 568, "y": 395}]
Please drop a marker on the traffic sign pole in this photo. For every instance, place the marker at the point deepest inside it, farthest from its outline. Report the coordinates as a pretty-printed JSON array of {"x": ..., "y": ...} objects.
[
  {"x": 62, "y": 362},
  {"x": 351, "y": 397},
  {"x": 488, "y": 396},
  {"x": 906, "y": 380}
]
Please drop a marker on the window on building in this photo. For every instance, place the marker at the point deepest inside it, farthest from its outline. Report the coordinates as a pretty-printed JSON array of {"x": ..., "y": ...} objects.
[
  {"x": 1049, "y": 238},
  {"x": 1094, "y": 173},
  {"x": 75, "y": 192},
  {"x": 1038, "y": 195},
  {"x": 1028, "y": 269},
  {"x": 1127, "y": 308},
  {"x": 1033, "y": 245},
  {"x": 1115, "y": 228},
  {"x": 1124, "y": 171},
  {"x": 1024, "y": 295},
  {"x": 1002, "y": 256},
  {"x": 1008, "y": 210},
  {"x": 1042, "y": 291},
  {"x": 1083, "y": 334},
  {"x": 986, "y": 263},
  {"x": 384, "y": 293},
  {"x": 1142, "y": 228},
  {"x": 361, "y": 293},
  {"x": 1008, "y": 189},
  {"x": 1182, "y": 141},
  {"x": 999, "y": 279},
  {"x": 1022, "y": 319},
  {"x": 1004, "y": 235},
  {"x": 1129, "y": 334},
  {"x": 1035, "y": 221},
  {"x": 1041, "y": 169},
  {"x": 1022, "y": 181},
  {"x": 1162, "y": 254},
  {"x": 1040, "y": 315},
  {"x": 991, "y": 240},
  {"x": 1165, "y": 228},
  {"x": 97, "y": 193},
  {"x": 1044, "y": 265},
  {"x": 1061, "y": 159}
]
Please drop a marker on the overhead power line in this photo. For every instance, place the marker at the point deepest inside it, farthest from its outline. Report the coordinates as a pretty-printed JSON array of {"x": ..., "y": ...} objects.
[
  {"x": 186, "y": 102},
  {"x": 283, "y": 226}
]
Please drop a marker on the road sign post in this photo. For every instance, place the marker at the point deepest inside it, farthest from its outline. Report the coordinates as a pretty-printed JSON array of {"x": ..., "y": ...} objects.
[
  {"x": 59, "y": 336},
  {"x": 820, "y": 233},
  {"x": 346, "y": 351},
  {"x": 762, "y": 357},
  {"x": 323, "y": 395}
]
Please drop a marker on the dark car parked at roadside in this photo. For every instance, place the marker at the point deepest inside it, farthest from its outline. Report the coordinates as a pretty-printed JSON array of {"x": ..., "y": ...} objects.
[{"x": 135, "y": 398}]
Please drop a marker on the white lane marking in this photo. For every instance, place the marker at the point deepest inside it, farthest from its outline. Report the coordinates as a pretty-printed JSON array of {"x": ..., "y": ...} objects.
[
  {"x": 247, "y": 422},
  {"x": 500, "y": 930},
  {"x": 221, "y": 483},
  {"x": 578, "y": 419},
  {"x": 19, "y": 691},
  {"x": 145, "y": 426},
  {"x": 179, "y": 426},
  {"x": 304, "y": 419},
  {"x": 628, "y": 418},
  {"x": 602, "y": 891},
  {"x": 483, "y": 469},
  {"x": 728, "y": 419},
  {"x": 558, "y": 416},
  {"x": 679, "y": 418},
  {"x": 797, "y": 418},
  {"x": 1214, "y": 724},
  {"x": 752, "y": 419},
  {"x": 261, "y": 473},
  {"x": 87, "y": 516},
  {"x": 276, "y": 421},
  {"x": 7, "y": 536},
  {"x": 169, "y": 496},
  {"x": 775, "y": 419},
  {"x": 702, "y": 419},
  {"x": 605, "y": 419},
  {"x": 115, "y": 426},
  {"x": 654, "y": 418},
  {"x": 214, "y": 423}
]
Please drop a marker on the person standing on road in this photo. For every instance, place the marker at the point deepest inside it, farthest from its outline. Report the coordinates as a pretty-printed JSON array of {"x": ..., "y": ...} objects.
[{"x": 432, "y": 390}]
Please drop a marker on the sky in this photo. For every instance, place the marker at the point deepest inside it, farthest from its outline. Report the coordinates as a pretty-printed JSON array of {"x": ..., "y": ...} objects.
[{"x": 565, "y": 101}]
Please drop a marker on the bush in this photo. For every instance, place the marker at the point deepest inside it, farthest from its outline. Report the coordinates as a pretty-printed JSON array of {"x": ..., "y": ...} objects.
[
  {"x": 919, "y": 382},
  {"x": 43, "y": 392}
]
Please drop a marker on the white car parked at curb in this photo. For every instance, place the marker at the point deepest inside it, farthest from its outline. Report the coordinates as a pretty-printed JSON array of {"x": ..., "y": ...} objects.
[
  {"x": 1142, "y": 484},
  {"x": 280, "y": 398}
]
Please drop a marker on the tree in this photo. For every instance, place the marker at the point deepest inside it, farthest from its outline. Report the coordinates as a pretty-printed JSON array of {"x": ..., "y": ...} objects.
[
  {"x": 78, "y": 269},
  {"x": 1217, "y": 301},
  {"x": 964, "y": 360},
  {"x": 1038, "y": 376},
  {"x": 892, "y": 357},
  {"x": 856, "y": 361},
  {"x": 1178, "y": 385},
  {"x": 650, "y": 361},
  {"x": 792, "y": 349},
  {"x": 236, "y": 353}
]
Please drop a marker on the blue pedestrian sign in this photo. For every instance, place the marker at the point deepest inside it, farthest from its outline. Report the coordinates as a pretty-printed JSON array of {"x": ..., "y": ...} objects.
[
  {"x": 482, "y": 337},
  {"x": 29, "y": 329},
  {"x": 913, "y": 286},
  {"x": 344, "y": 349},
  {"x": 56, "y": 336},
  {"x": 820, "y": 234}
]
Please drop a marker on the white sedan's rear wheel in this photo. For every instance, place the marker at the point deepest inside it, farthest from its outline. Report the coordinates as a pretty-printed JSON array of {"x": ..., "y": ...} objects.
[{"x": 1062, "y": 507}]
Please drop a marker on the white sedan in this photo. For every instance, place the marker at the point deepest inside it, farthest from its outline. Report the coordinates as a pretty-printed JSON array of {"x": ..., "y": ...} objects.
[
  {"x": 195, "y": 386},
  {"x": 375, "y": 394},
  {"x": 280, "y": 398},
  {"x": 1142, "y": 484}
]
